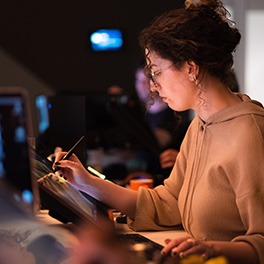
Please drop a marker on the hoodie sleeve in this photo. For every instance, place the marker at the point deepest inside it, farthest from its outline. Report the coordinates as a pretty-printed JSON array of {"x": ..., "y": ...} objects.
[{"x": 158, "y": 208}]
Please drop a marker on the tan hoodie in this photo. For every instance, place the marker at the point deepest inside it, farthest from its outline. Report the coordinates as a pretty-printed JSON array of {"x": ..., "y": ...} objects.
[{"x": 216, "y": 188}]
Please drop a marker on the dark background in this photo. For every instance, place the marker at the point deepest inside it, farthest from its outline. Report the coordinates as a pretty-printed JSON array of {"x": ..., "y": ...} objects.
[{"x": 51, "y": 39}]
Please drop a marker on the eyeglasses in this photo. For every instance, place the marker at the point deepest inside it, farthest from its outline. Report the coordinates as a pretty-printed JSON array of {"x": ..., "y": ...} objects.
[{"x": 153, "y": 76}]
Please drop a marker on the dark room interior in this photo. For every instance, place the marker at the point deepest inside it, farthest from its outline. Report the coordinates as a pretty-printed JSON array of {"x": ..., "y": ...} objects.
[{"x": 51, "y": 39}]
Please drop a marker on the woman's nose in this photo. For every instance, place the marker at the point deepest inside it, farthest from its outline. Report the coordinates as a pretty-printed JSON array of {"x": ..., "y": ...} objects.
[{"x": 153, "y": 87}]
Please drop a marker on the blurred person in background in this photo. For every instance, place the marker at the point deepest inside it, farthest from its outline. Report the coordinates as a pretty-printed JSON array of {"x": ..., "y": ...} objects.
[{"x": 167, "y": 126}]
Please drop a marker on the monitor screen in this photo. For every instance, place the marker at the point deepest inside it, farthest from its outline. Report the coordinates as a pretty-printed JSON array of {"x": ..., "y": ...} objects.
[
  {"x": 106, "y": 40},
  {"x": 15, "y": 166}
]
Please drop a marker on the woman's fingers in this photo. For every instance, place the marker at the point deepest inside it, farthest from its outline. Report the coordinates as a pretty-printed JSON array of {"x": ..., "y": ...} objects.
[
  {"x": 173, "y": 243},
  {"x": 74, "y": 171},
  {"x": 59, "y": 156},
  {"x": 70, "y": 164},
  {"x": 167, "y": 241},
  {"x": 185, "y": 248}
]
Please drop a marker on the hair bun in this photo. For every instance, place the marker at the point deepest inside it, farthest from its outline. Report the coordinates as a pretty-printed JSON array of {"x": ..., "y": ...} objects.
[
  {"x": 189, "y": 3},
  {"x": 213, "y": 4}
]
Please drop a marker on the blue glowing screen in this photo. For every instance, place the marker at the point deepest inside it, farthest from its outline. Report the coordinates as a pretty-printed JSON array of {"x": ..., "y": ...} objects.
[{"x": 106, "y": 39}]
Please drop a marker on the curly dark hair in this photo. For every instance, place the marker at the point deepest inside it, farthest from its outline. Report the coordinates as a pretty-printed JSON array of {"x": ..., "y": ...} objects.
[{"x": 201, "y": 32}]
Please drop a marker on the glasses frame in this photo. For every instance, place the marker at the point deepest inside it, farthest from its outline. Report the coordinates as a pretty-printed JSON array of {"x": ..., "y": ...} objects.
[{"x": 154, "y": 75}]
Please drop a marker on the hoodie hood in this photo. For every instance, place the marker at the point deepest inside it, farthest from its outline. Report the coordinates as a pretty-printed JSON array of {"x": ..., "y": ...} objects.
[{"x": 246, "y": 107}]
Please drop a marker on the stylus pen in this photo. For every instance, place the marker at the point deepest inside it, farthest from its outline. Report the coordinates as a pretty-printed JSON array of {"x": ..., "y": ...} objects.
[{"x": 70, "y": 152}]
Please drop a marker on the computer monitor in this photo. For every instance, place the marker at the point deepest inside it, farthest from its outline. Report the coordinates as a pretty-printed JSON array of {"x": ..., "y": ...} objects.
[{"x": 15, "y": 164}]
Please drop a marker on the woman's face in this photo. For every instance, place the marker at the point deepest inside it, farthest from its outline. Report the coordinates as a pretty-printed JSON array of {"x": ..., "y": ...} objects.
[{"x": 175, "y": 87}]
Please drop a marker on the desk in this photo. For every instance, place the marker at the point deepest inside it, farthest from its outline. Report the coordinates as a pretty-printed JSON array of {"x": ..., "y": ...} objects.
[
  {"x": 160, "y": 236},
  {"x": 44, "y": 217},
  {"x": 87, "y": 245},
  {"x": 156, "y": 236},
  {"x": 61, "y": 231}
]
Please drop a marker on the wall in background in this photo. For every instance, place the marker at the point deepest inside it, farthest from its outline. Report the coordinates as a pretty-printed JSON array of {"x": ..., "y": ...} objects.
[
  {"x": 51, "y": 39},
  {"x": 254, "y": 53},
  {"x": 249, "y": 18}
]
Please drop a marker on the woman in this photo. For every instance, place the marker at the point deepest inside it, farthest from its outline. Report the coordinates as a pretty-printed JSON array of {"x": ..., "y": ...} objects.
[{"x": 216, "y": 186}]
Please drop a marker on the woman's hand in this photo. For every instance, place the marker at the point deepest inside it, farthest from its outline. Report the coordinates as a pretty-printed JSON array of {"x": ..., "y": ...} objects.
[
  {"x": 72, "y": 169},
  {"x": 186, "y": 246},
  {"x": 168, "y": 158},
  {"x": 102, "y": 190}
]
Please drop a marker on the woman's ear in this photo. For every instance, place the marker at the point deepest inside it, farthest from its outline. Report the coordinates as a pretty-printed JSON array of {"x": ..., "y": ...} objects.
[{"x": 193, "y": 71}]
